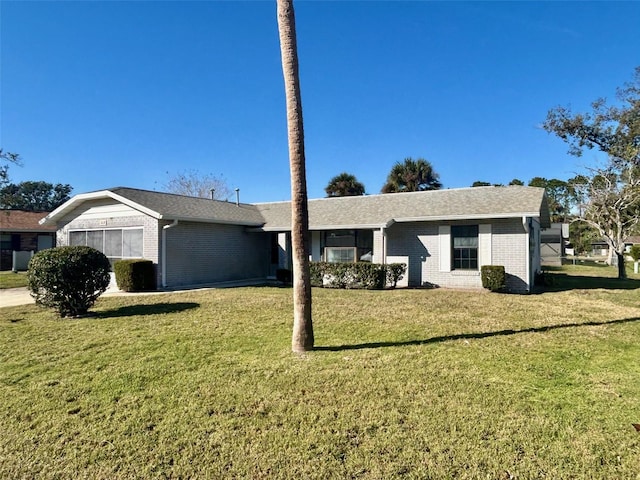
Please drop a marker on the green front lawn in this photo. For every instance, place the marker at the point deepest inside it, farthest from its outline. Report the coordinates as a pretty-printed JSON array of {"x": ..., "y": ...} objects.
[
  {"x": 9, "y": 279},
  {"x": 407, "y": 383}
]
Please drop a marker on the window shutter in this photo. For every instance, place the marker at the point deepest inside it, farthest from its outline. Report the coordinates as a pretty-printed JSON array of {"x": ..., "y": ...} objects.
[
  {"x": 444, "y": 236},
  {"x": 484, "y": 244}
]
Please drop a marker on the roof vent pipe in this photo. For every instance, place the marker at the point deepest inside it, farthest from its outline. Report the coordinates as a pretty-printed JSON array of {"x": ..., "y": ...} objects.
[
  {"x": 238, "y": 196},
  {"x": 213, "y": 193}
]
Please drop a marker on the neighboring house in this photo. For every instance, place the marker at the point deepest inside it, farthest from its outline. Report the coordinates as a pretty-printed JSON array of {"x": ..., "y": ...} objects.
[
  {"x": 553, "y": 241},
  {"x": 600, "y": 248},
  {"x": 444, "y": 236},
  {"x": 20, "y": 231}
]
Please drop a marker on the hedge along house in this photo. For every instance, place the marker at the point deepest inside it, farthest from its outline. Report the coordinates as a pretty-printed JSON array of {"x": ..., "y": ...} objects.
[{"x": 443, "y": 236}]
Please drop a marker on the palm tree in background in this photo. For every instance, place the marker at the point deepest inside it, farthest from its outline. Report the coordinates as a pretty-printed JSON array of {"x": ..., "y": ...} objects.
[
  {"x": 412, "y": 176},
  {"x": 344, "y": 185},
  {"x": 302, "y": 338}
]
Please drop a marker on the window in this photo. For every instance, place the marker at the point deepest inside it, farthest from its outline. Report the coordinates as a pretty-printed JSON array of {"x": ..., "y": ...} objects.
[
  {"x": 115, "y": 244},
  {"x": 465, "y": 247},
  {"x": 347, "y": 245},
  {"x": 340, "y": 254},
  {"x": 5, "y": 241}
]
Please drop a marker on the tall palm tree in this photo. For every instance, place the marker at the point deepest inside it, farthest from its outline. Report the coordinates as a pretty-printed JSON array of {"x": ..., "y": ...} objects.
[
  {"x": 344, "y": 185},
  {"x": 412, "y": 176},
  {"x": 302, "y": 338}
]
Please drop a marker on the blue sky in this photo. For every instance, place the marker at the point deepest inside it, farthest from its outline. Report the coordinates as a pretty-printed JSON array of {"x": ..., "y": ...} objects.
[{"x": 116, "y": 93}]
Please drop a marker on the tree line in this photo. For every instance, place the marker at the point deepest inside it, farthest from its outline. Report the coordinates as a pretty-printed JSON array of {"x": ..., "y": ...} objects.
[{"x": 35, "y": 196}]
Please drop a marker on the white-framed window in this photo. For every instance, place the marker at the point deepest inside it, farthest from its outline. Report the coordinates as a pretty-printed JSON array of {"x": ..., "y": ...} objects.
[
  {"x": 464, "y": 240},
  {"x": 340, "y": 254},
  {"x": 347, "y": 245},
  {"x": 116, "y": 243}
]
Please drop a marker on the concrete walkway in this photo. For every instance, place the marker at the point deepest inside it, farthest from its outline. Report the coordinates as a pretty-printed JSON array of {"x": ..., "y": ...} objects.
[{"x": 11, "y": 297}]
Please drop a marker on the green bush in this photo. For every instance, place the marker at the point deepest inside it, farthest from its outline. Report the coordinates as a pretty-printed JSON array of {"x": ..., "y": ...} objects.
[
  {"x": 395, "y": 272},
  {"x": 635, "y": 252},
  {"x": 135, "y": 275},
  {"x": 68, "y": 279},
  {"x": 355, "y": 275},
  {"x": 317, "y": 270},
  {"x": 493, "y": 277}
]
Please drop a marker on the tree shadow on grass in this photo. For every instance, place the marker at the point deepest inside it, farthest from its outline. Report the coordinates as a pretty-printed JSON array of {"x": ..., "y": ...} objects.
[
  {"x": 469, "y": 336},
  {"x": 563, "y": 282},
  {"x": 141, "y": 310}
]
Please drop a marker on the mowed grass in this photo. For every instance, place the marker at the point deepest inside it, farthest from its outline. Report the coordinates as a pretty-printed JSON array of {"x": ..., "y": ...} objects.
[
  {"x": 403, "y": 384},
  {"x": 9, "y": 279}
]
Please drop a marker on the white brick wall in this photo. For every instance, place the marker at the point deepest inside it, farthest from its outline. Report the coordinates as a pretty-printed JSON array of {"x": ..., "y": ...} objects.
[
  {"x": 199, "y": 253},
  {"x": 420, "y": 243}
]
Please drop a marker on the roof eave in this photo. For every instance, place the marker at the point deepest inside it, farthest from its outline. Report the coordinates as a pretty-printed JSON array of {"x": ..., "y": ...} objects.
[
  {"x": 287, "y": 228},
  {"x": 240, "y": 223},
  {"x": 483, "y": 216}
]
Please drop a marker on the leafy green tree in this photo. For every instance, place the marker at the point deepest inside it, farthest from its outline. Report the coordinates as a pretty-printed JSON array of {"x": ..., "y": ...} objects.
[
  {"x": 612, "y": 129},
  {"x": 412, "y": 176},
  {"x": 34, "y": 196},
  {"x": 302, "y": 338},
  {"x": 344, "y": 185},
  {"x": 516, "y": 181},
  {"x": 580, "y": 236},
  {"x": 611, "y": 193},
  {"x": 562, "y": 197}
]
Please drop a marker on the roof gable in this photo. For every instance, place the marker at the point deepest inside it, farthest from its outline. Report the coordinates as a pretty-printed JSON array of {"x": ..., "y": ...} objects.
[{"x": 168, "y": 206}]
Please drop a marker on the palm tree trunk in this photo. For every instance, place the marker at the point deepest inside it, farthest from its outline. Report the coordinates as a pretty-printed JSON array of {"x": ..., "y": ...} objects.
[{"x": 302, "y": 338}]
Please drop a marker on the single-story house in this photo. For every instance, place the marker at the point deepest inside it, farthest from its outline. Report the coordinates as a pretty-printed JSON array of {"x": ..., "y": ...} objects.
[
  {"x": 600, "y": 247},
  {"x": 444, "y": 236},
  {"x": 21, "y": 232},
  {"x": 553, "y": 243}
]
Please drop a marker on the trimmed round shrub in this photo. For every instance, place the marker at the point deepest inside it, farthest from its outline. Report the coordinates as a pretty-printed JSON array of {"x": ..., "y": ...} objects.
[
  {"x": 635, "y": 252},
  {"x": 135, "y": 275},
  {"x": 68, "y": 279},
  {"x": 493, "y": 277}
]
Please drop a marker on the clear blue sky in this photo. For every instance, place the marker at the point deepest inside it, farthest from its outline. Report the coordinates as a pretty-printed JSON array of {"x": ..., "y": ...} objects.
[{"x": 116, "y": 93}]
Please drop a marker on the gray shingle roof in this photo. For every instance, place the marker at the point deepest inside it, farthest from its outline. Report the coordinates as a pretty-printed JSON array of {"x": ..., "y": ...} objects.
[
  {"x": 180, "y": 207},
  {"x": 379, "y": 210},
  {"x": 370, "y": 211}
]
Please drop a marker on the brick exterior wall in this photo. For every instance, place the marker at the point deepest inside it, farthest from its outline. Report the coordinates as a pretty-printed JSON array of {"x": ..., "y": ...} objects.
[
  {"x": 419, "y": 242},
  {"x": 200, "y": 253},
  {"x": 511, "y": 249},
  {"x": 148, "y": 224}
]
